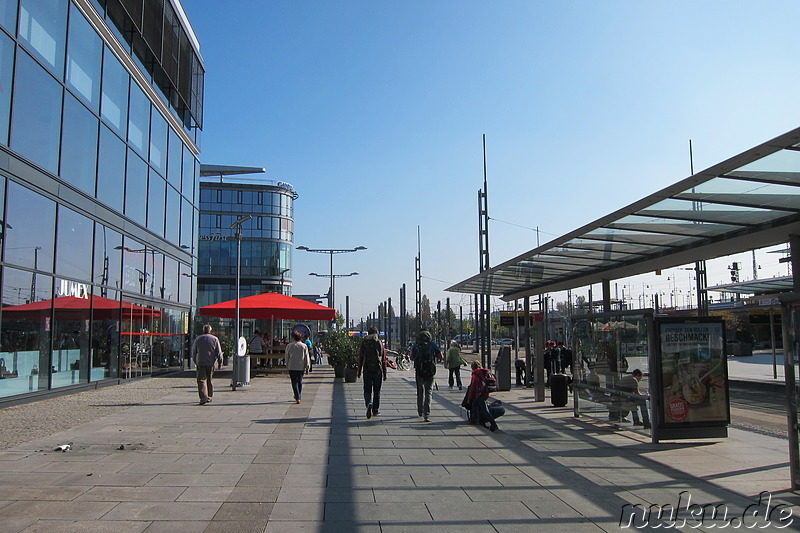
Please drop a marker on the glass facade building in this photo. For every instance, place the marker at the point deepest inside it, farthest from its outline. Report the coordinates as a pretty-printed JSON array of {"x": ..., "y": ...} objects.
[
  {"x": 266, "y": 247},
  {"x": 100, "y": 113}
]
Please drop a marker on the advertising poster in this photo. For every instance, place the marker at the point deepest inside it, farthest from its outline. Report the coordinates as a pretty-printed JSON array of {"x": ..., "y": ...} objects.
[{"x": 694, "y": 373}]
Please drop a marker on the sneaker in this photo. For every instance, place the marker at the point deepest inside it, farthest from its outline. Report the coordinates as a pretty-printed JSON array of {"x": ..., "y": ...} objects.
[
  {"x": 369, "y": 411},
  {"x": 638, "y": 423},
  {"x": 427, "y": 419},
  {"x": 203, "y": 402},
  {"x": 419, "y": 413},
  {"x": 493, "y": 428},
  {"x": 208, "y": 401},
  {"x": 459, "y": 388},
  {"x": 375, "y": 412}
]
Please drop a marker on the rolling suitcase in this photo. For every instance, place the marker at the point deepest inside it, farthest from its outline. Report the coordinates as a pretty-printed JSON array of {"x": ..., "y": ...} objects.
[{"x": 558, "y": 389}]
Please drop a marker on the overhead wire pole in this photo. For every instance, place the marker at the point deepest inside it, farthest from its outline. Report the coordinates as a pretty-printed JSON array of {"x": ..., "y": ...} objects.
[
  {"x": 418, "y": 281},
  {"x": 700, "y": 272},
  {"x": 484, "y": 316}
]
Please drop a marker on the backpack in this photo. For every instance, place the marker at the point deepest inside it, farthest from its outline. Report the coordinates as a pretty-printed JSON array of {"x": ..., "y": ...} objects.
[
  {"x": 489, "y": 382},
  {"x": 426, "y": 367},
  {"x": 373, "y": 354}
]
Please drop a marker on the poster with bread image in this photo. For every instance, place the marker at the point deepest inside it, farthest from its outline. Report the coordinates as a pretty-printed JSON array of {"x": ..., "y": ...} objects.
[{"x": 694, "y": 372}]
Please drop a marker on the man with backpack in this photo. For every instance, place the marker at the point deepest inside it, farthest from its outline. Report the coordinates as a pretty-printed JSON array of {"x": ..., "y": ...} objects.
[
  {"x": 425, "y": 353},
  {"x": 372, "y": 362}
]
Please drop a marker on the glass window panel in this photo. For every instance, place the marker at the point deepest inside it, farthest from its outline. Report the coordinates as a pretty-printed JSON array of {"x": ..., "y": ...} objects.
[
  {"x": 172, "y": 216},
  {"x": 79, "y": 145},
  {"x": 43, "y": 29},
  {"x": 186, "y": 223},
  {"x": 74, "y": 245},
  {"x": 3, "y": 228},
  {"x": 105, "y": 338},
  {"x": 133, "y": 270},
  {"x": 114, "y": 97},
  {"x": 158, "y": 142},
  {"x": 155, "y": 203},
  {"x": 25, "y": 337},
  {"x": 154, "y": 272},
  {"x": 139, "y": 120},
  {"x": 31, "y": 226},
  {"x": 99, "y": 6},
  {"x": 8, "y": 15},
  {"x": 185, "y": 284},
  {"x": 70, "y": 364},
  {"x": 170, "y": 282},
  {"x": 36, "y": 118},
  {"x": 107, "y": 257},
  {"x": 174, "y": 159},
  {"x": 111, "y": 169},
  {"x": 187, "y": 187},
  {"x": 136, "y": 188},
  {"x": 6, "y": 71},
  {"x": 84, "y": 56}
]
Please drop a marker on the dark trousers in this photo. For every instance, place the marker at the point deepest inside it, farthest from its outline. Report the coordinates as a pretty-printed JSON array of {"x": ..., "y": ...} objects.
[
  {"x": 297, "y": 382},
  {"x": 204, "y": 386},
  {"x": 481, "y": 413},
  {"x": 520, "y": 368},
  {"x": 424, "y": 391},
  {"x": 457, "y": 373},
  {"x": 372, "y": 389}
]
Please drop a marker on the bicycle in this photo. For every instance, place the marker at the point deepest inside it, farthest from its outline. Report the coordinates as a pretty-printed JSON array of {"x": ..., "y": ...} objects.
[{"x": 401, "y": 359}]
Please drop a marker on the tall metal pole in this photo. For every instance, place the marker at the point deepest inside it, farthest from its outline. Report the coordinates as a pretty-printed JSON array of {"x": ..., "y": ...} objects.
[
  {"x": 330, "y": 303},
  {"x": 238, "y": 235},
  {"x": 419, "y": 281},
  {"x": 484, "y": 313}
]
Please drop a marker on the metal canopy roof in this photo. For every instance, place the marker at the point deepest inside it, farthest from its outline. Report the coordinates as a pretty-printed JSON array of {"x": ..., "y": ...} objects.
[
  {"x": 757, "y": 286},
  {"x": 750, "y": 201}
]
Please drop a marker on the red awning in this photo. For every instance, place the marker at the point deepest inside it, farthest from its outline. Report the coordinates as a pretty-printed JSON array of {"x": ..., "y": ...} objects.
[
  {"x": 270, "y": 305},
  {"x": 103, "y": 308}
]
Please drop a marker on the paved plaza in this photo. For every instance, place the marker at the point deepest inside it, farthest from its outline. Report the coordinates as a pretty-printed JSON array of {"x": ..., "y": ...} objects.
[{"x": 254, "y": 461}]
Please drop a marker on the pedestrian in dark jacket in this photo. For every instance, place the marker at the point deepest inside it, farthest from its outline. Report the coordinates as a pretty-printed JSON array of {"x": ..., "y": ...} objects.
[{"x": 372, "y": 362}]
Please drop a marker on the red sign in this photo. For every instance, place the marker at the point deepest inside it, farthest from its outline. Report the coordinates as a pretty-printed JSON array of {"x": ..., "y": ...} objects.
[{"x": 677, "y": 409}]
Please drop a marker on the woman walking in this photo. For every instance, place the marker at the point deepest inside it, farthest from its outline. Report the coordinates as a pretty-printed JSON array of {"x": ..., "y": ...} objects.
[
  {"x": 298, "y": 362},
  {"x": 454, "y": 362}
]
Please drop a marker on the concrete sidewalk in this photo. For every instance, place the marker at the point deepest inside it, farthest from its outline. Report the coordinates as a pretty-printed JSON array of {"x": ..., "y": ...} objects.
[{"x": 253, "y": 460}]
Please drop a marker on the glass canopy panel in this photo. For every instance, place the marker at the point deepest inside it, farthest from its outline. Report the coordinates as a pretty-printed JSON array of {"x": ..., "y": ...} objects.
[
  {"x": 565, "y": 262},
  {"x": 555, "y": 268},
  {"x": 711, "y": 213},
  {"x": 599, "y": 254},
  {"x": 652, "y": 240},
  {"x": 661, "y": 225},
  {"x": 784, "y": 161},
  {"x": 759, "y": 184},
  {"x": 611, "y": 246}
]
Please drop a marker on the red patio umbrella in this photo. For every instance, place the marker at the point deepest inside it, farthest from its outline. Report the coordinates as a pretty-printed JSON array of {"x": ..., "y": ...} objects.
[{"x": 270, "y": 305}]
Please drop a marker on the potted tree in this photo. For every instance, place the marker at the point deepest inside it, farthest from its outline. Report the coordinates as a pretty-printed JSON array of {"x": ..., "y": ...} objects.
[{"x": 341, "y": 350}]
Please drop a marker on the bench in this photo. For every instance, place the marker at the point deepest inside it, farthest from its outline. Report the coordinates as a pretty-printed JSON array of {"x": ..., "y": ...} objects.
[{"x": 274, "y": 355}]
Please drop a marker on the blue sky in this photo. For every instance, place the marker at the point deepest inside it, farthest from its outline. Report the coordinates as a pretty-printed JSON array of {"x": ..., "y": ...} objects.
[{"x": 375, "y": 111}]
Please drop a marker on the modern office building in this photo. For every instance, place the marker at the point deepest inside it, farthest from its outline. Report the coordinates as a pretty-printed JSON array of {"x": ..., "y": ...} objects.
[
  {"x": 266, "y": 245},
  {"x": 101, "y": 103}
]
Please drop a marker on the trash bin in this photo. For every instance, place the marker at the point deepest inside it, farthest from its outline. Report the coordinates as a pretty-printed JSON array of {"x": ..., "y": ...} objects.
[
  {"x": 558, "y": 390},
  {"x": 502, "y": 369},
  {"x": 242, "y": 375}
]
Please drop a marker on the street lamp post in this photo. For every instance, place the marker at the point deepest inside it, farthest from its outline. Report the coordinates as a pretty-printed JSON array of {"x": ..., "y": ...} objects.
[
  {"x": 331, "y": 299},
  {"x": 332, "y": 276},
  {"x": 238, "y": 235}
]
